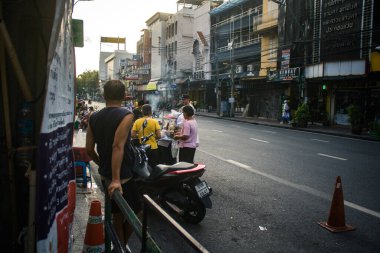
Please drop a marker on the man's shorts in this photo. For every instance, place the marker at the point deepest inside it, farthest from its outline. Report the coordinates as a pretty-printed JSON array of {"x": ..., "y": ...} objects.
[{"x": 130, "y": 194}]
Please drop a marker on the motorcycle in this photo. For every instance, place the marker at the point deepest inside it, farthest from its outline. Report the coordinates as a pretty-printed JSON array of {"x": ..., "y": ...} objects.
[{"x": 175, "y": 187}]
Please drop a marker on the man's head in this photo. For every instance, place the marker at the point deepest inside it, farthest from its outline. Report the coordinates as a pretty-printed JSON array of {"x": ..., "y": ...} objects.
[
  {"x": 114, "y": 90},
  {"x": 146, "y": 110},
  {"x": 188, "y": 111},
  {"x": 185, "y": 99},
  {"x": 140, "y": 103}
]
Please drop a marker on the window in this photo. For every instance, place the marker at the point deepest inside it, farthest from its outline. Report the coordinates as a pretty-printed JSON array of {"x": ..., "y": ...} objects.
[{"x": 272, "y": 48}]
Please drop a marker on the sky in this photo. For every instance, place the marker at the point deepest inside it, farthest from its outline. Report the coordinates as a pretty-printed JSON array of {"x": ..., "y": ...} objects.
[{"x": 113, "y": 18}]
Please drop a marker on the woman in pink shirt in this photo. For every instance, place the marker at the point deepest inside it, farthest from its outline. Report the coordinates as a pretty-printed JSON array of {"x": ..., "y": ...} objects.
[{"x": 188, "y": 137}]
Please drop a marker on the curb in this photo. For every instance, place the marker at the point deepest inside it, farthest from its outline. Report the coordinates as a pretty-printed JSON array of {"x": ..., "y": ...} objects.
[{"x": 352, "y": 136}]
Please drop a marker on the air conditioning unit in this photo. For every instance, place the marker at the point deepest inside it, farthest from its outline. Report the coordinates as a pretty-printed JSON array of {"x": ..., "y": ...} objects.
[{"x": 249, "y": 68}]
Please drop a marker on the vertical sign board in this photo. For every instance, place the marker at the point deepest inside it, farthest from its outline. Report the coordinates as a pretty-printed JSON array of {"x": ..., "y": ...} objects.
[
  {"x": 340, "y": 29},
  {"x": 56, "y": 186}
]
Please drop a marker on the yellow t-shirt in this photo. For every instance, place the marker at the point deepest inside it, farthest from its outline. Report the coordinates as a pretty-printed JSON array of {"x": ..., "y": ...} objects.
[{"x": 151, "y": 127}]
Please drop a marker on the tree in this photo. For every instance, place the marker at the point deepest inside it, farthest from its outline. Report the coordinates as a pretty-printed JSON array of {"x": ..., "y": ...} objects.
[{"x": 88, "y": 83}]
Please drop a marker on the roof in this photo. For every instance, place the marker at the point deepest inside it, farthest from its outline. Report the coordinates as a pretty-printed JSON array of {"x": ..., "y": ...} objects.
[
  {"x": 193, "y": 2},
  {"x": 227, "y": 6}
]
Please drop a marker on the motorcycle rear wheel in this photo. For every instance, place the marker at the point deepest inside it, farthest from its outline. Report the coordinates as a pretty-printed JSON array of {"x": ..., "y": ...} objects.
[{"x": 195, "y": 211}]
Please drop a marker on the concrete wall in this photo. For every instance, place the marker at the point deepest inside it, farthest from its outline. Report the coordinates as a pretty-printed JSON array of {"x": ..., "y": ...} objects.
[
  {"x": 202, "y": 24},
  {"x": 184, "y": 38},
  {"x": 158, "y": 33}
]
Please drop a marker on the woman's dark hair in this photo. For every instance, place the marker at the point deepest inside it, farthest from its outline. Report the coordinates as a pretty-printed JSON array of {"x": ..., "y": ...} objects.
[
  {"x": 188, "y": 110},
  {"x": 146, "y": 110},
  {"x": 114, "y": 90}
]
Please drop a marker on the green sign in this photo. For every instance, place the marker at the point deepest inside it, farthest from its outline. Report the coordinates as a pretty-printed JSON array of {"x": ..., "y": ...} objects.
[{"x": 77, "y": 27}]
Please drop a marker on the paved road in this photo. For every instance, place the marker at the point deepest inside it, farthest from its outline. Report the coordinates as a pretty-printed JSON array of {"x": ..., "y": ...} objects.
[{"x": 272, "y": 186}]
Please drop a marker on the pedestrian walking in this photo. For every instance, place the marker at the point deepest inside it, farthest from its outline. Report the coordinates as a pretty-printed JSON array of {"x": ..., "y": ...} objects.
[
  {"x": 285, "y": 113},
  {"x": 109, "y": 131}
]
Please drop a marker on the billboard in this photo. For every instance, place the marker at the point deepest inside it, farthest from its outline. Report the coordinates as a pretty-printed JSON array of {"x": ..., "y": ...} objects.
[{"x": 341, "y": 22}]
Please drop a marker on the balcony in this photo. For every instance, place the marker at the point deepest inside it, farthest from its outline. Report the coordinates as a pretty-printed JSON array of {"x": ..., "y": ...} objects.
[
  {"x": 242, "y": 49},
  {"x": 255, "y": 20},
  {"x": 268, "y": 21}
]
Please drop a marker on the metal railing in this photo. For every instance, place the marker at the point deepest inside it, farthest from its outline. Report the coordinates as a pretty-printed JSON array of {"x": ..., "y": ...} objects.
[
  {"x": 141, "y": 231},
  {"x": 148, "y": 202}
]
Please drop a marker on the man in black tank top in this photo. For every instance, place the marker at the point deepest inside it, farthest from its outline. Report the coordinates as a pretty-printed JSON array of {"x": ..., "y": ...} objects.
[{"x": 110, "y": 130}]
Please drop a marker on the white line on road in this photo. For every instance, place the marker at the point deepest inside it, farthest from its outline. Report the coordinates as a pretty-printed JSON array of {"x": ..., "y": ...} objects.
[
  {"x": 271, "y": 132},
  {"x": 303, "y": 188},
  {"x": 217, "y": 131},
  {"x": 320, "y": 140},
  {"x": 334, "y": 157},
  {"x": 259, "y": 140},
  {"x": 241, "y": 165}
]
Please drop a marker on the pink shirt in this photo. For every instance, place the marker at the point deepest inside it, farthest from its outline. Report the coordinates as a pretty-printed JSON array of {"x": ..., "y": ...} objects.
[{"x": 190, "y": 128}]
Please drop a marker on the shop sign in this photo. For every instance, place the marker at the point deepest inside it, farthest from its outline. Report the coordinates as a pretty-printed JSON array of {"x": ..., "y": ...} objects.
[{"x": 289, "y": 74}]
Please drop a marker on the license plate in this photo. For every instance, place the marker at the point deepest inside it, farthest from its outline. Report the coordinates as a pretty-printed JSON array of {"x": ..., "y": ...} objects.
[{"x": 202, "y": 189}]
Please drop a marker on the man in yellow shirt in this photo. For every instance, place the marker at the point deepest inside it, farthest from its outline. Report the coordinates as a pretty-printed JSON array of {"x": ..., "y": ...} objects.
[{"x": 152, "y": 126}]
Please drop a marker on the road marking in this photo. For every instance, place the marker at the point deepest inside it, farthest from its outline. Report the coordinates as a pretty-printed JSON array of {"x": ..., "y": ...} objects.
[
  {"x": 238, "y": 126},
  {"x": 334, "y": 157},
  {"x": 217, "y": 131},
  {"x": 303, "y": 188},
  {"x": 259, "y": 140},
  {"x": 320, "y": 140},
  {"x": 241, "y": 165},
  {"x": 271, "y": 132},
  {"x": 339, "y": 137}
]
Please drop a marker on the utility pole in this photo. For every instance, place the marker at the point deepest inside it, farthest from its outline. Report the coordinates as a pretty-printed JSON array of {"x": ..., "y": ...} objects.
[{"x": 232, "y": 65}]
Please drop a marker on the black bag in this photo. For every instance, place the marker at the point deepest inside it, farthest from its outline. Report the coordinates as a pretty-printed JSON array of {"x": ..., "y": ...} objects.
[{"x": 140, "y": 165}]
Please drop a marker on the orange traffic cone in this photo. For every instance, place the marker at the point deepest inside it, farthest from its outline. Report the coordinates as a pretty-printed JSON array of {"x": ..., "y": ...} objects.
[
  {"x": 336, "y": 221},
  {"x": 94, "y": 238}
]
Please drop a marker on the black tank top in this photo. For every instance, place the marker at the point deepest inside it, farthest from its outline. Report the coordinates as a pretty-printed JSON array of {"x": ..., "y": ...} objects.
[{"x": 103, "y": 125}]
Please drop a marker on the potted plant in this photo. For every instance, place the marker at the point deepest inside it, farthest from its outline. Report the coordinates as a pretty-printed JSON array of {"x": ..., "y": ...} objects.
[
  {"x": 356, "y": 118},
  {"x": 374, "y": 129},
  {"x": 326, "y": 119},
  {"x": 302, "y": 115}
]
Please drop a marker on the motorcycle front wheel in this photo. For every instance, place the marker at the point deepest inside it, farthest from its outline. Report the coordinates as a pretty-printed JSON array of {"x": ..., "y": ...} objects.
[{"x": 195, "y": 211}]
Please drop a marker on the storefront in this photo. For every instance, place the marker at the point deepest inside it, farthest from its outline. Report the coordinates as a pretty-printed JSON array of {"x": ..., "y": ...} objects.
[{"x": 333, "y": 86}]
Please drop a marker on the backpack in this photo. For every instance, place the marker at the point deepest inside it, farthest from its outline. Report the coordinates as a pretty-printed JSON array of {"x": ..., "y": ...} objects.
[{"x": 140, "y": 164}]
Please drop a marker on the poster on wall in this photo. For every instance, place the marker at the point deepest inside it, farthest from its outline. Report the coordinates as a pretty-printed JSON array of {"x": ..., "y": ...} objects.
[{"x": 55, "y": 175}]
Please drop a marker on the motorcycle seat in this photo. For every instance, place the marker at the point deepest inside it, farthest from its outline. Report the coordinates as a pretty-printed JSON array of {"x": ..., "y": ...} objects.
[{"x": 161, "y": 169}]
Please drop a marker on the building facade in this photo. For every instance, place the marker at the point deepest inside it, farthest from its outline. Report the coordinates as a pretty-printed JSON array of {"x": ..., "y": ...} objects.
[
  {"x": 240, "y": 30},
  {"x": 344, "y": 68},
  {"x": 201, "y": 87}
]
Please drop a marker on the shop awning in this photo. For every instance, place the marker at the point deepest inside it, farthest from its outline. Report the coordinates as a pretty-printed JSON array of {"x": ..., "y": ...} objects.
[
  {"x": 179, "y": 81},
  {"x": 152, "y": 85}
]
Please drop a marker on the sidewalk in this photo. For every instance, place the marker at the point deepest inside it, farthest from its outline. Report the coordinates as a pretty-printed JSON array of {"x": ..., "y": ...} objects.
[
  {"x": 337, "y": 130},
  {"x": 84, "y": 196}
]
